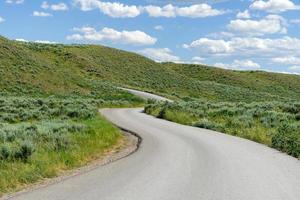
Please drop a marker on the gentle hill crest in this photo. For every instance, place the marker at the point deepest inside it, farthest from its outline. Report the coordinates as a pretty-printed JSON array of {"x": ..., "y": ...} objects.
[{"x": 48, "y": 69}]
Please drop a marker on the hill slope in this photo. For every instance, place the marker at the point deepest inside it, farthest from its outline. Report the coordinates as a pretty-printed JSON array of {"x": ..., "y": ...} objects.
[
  {"x": 260, "y": 81},
  {"x": 89, "y": 69}
]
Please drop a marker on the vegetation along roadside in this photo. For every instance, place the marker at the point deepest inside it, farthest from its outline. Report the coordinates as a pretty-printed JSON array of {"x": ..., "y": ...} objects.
[
  {"x": 42, "y": 137},
  {"x": 276, "y": 124}
]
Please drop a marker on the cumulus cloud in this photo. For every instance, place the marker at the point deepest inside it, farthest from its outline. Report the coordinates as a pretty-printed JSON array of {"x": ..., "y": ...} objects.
[
  {"x": 221, "y": 35},
  {"x": 56, "y": 7},
  {"x": 269, "y": 25},
  {"x": 160, "y": 55},
  {"x": 41, "y": 14},
  {"x": 108, "y": 34},
  {"x": 2, "y": 19},
  {"x": 288, "y": 60},
  {"x": 274, "y": 6},
  {"x": 243, "y": 15},
  {"x": 14, "y": 1},
  {"x": 44, "y": 42},
  {"x": 156, "y": 11},
  {"x": 36, "y": 41},
  {"x": 240, "y": 65},
  {"x": 21, "y": 40},
  {"x": 115, "y": 9},
  {"x": 211, "y": 46},
  {"x": 247, "y": 46},
  {"x": 197, "y": 60},
  {"x": 193, "y": 11}
]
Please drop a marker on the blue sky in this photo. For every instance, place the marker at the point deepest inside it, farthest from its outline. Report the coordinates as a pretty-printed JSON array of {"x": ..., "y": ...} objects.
[{"x": 235, "y": 34}]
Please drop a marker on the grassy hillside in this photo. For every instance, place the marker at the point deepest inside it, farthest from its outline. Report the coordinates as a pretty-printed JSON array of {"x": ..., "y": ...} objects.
[
  {"x": 49, "y": 119},
  {"x": 259, "y": 81},
  {"x": 87, "y": 70}
]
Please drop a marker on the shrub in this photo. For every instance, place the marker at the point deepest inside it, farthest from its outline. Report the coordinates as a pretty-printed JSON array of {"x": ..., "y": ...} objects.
[
  {"x": 292, "y": 108},
  {"x": 258, "y": 121},
  {"x": 25, "y": 150},
  {"x": 5, "y": 152},
  {"x": 287, "y": 139},
  {"x": 60, "y": 142},
  {"x": 205, "y": 123}
]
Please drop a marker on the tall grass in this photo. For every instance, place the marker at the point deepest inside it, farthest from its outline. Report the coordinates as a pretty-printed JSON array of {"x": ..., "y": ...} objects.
[
  {"x": 41, "y": 137},
  {"x": 276, "y": 124}
]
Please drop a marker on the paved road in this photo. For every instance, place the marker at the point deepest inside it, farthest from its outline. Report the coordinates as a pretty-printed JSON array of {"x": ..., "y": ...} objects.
[
  {"x": 177, "y": 162},
  {"x": 146, "y": 95}
]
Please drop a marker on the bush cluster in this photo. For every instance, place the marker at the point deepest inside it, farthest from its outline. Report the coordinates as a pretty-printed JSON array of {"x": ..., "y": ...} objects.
[
  {"x": 19, "y": 141},
  {"x": 31, "y": 124},
  {"x": 18, "y": 109},
  {"x": 272, "y": 123}
]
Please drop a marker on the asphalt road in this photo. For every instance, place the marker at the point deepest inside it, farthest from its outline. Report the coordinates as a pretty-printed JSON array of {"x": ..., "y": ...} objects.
[
  {"x": 177, "y": 162},
  {"x": 146, "y": 95}
]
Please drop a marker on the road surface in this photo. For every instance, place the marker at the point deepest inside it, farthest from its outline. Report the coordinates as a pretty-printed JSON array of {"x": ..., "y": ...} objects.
[
  {"x": 146, "y": 95},
  {"x": 177, "y": 162}
]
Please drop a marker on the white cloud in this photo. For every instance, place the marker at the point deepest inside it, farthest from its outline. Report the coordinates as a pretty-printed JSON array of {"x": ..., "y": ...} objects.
[
  {"x": 197, "y": 60},
  {"x": 14, "y": 1},
  {"x": 247, "y": 46},
  {"x": 193, "y": 11},
  {"x": 156, "y": 11},
  {"x": 288, "y": 60},
  {"x": 269, "y": 25},
  {"x": 243, "y": 15},
  {"x": 44, "y": 42},
  {"x": 295, "y": 68},
  {"x": 116, "y": 9},
  {"x": 221, "y": 35},
  {"x": 274, "y": 6},
  {"x": 41, "y": 14},
  {"x": 36, "y": 41},
  {"x": 2, "y": 19},
  {"x": 199, "y": 10},
  {"x": 159, "y": 27},
  {"x": 240, "y": 65},
  {"x": 55, "y": 7},
  {"x": 109, "y": 34},
  {"x": 160, "y": 55},
  {"x": 21, "y": 40},
  {"x": 45, "y": 5},
  {"x": 211, "y": 46}
]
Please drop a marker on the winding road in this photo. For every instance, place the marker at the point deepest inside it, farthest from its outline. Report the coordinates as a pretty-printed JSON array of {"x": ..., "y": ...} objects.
[{"x": 177, "y": 162}]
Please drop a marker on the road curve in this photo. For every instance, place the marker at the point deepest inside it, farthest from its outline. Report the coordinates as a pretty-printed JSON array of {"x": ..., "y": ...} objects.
[
  {"x": 146, "y": 95},
  {"x": 177, "y": 162}
]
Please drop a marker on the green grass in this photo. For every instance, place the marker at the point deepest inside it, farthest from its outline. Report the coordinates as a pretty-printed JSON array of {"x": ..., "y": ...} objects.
[
  {"x": 276, "y": 124},
  {"x": 42, "y": 137},
  {"x": 92, "y": 71},
  {"x": 258, "y": 81},
  {"x": 46, "y": 162}
]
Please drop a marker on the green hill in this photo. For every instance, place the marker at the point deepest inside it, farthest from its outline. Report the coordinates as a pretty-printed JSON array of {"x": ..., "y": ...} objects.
[
  {"x": 44, "y": 69},
  {"x": 275, "y": 83}
]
